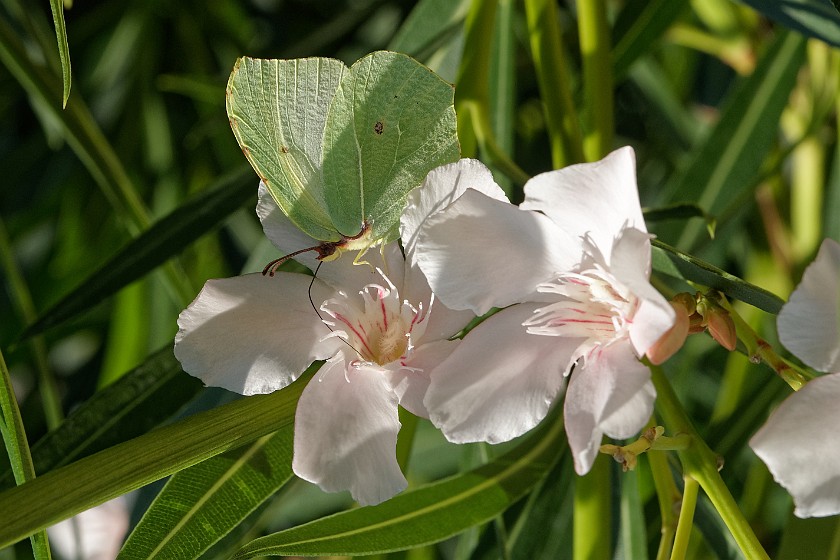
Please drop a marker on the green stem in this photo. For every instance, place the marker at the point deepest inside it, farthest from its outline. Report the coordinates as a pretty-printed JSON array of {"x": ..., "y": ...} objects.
[
  {"x": 700, "y": 463},
  {"x": 14, "y": 435},
  {"x": 597, "y": 78},
  {"x": 592, "y": 512},
  {"x": 546, "y": 42},
  {"x": 472, "y": 100},
  {"x": 667, "y": 495},
  {"x": 686, "y": 522},
  {"x": 759, "y": 350}
]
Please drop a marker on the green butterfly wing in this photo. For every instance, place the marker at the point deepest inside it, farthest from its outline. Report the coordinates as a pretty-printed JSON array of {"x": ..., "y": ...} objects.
[
  {"x": 337, "y": 147},
  {"x": 391, "y": 121},
  {"x": 277, "y": 110}
]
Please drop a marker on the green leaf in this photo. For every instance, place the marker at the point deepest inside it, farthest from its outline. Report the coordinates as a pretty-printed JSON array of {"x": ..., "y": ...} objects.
[
  {"x": 681, "y": 212},
  {"x": 339, "y": 149},
  {"x": 428, "y": 514},
  {"x": 57, "y": 7},
  {"x": 140, "y": 400},
  {"x": 544, "y": 528},
  {"x": 14, "y": 436},
  {"x": 812, "y": 18},
  {"x": 673, "y": 262},
  {"x": 64, "y": 492},
  {"x": 637, "y": 29},
  {"x": 430, "y": 25},
  {"x": 165, "y": 239},
  {"x": 726, "y": 165},
  {"x": 202, "y": 504}
]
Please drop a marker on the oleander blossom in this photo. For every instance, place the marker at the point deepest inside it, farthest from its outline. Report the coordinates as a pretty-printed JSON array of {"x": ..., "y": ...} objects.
[
  {"x": 378, "y": 328},
  {"x": 799, "y": 441},
  {"x": 570, "y": 268}
]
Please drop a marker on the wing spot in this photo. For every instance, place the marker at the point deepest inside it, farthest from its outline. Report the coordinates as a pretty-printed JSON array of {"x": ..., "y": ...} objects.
[{"x": 379, "y": 127}]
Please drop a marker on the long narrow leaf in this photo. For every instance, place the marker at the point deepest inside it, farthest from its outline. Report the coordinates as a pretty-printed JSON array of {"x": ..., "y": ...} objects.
[
  {"x": 675, "y": 263},
  {"x": 812, "y": 18},
  {"x": 140, "y": 400},
  {"x": 638, "y": 27},
  {"x": 428, "y": 514},
  {"x": 14, "y": 436},
  {"x": 729, "y": 160},
  {"x": 153, "y": 247},
  {"x": 57, "y": 7},
  {"x": 202, "y": 504},
  {"x": 64, "y": 492}
]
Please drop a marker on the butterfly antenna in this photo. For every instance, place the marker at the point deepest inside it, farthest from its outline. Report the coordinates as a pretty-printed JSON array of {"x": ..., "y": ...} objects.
[
  {"x": 315, "y": 308},
  {"x": 272, "y": 267}
]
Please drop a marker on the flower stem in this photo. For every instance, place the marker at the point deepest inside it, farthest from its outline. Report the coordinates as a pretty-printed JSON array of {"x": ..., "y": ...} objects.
[
  {"x": 597, "y": 78},
  {"x": 592, "y": 512},
  {"x": 759, "y": 350},
  {"x": 472, "y": 100},
  {"x": 700, "y": 463},
  {"x": 547, "y": 54},
  {"x": 668, "y": 495},
  {"x": 686, "y": 522}
]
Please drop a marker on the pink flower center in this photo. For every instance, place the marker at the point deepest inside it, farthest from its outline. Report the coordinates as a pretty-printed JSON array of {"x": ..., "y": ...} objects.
[
  {"x": 593, "y": 305},
  {"x": 382, "y": 329}
]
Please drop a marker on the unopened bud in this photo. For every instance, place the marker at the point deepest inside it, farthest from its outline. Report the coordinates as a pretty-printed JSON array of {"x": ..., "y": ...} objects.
[
  {"x": 674, "y": 338},
  {"x": 721, "y": 327}
]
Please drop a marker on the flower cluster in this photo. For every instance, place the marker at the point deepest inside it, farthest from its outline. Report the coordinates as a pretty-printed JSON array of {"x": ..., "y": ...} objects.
[
  {"x": 798, "y": 442},
  {"x": 566, "y": 274}
]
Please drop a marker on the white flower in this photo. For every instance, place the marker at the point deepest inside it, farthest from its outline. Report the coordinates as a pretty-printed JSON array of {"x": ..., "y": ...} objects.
[
  {"x": 799, "y": 442},
  {"x": 379, "y": 330},
  {"x": 571, "y": 269}
]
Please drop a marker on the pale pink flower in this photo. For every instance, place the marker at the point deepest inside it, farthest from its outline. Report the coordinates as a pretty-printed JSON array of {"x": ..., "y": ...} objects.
[
  {"x": 570, "y": 267},
  {"x": 379, "y": 331},
  {"x": 799, "y": 442}
]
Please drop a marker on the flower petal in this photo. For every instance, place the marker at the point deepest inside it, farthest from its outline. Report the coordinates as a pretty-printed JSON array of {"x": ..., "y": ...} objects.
[
  {"x": 500, "y": 382},
  {"x": 412, "y": 382},
  {"x": 463, "y": 249},
  {"x": 809, "y": 323},
  {"x": 609, "y": 392},
  {"x": 94, "y": 534},
  {"x": 630, "y": 264},
  {"x": 799, "y": 445},
  {"x": 253, "y": 334},
  {"x": 346, "y": 429},
  {"x": 443, "y": 322},
  {"x": 442, "y": 186},
  {"x": 597, "y": 198}
]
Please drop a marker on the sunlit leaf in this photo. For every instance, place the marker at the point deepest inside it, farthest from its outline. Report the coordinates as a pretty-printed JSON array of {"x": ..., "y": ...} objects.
[
  {"x": 88, "y": 482},
  {"x": 14, "y": 436},
  {"x": 140, "y": 400},
  {"x": 725, "y": 166},
  {"x": 428, "y": 514},
  {"x": 201, "y": 504}
]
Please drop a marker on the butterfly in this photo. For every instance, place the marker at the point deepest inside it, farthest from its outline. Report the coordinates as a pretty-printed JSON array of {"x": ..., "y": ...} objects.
[{"x": 340, "y": 148}]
